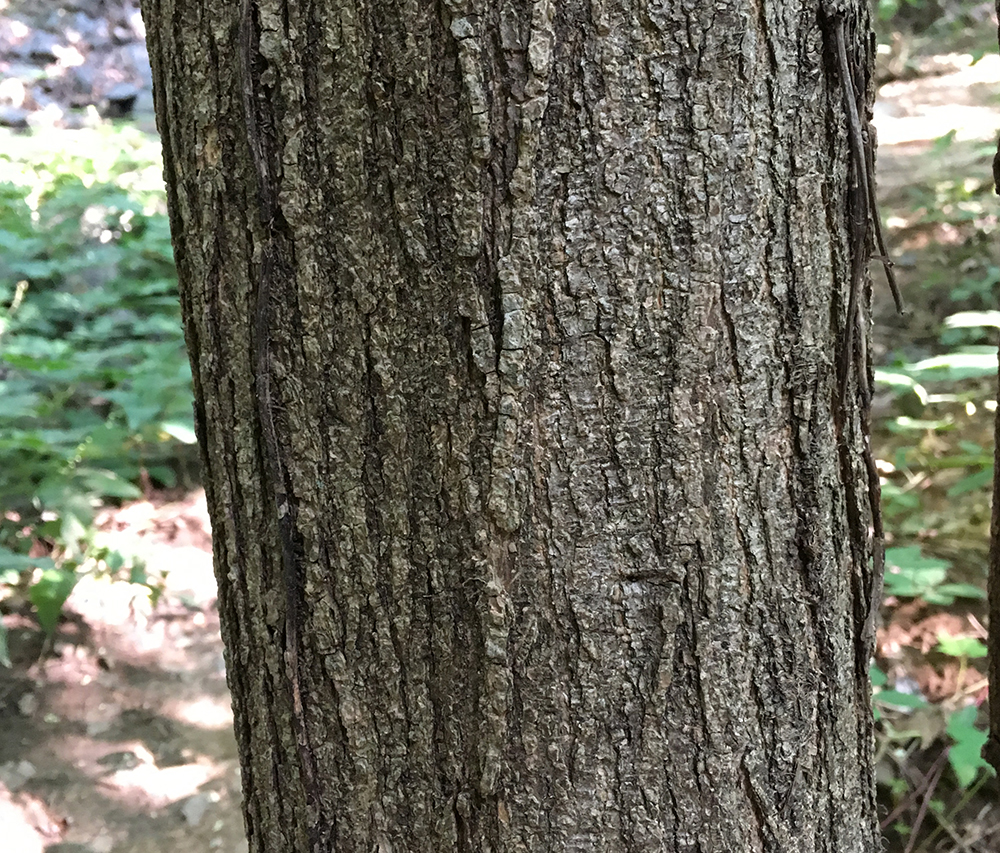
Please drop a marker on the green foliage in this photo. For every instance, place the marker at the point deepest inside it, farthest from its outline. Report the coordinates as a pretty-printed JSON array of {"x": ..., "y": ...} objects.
[
  {"x": 896, "y": 699},
  {"x": 957, "y": 23},
  {"x": 977, "y": 285},
  {"x": 93, "y": 372},
  {"x": 907, "y": 717},
  {"x": 963, "y": 363},
  {"x": 49, "y": 593},
  {"x": 933, "y": 437},
  {"x": 909, "y": 574},
  {"x": 888, "y": 9},
  {"x": 961, "y": 647},
  {"x": 967, "y": 744}
]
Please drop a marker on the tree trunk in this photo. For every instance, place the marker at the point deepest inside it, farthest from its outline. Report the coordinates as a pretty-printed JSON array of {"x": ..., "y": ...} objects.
[{"x": 540, "y": 504}]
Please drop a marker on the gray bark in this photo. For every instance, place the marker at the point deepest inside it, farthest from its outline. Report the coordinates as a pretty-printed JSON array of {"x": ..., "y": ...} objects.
[{"x": 563, "y": 288}]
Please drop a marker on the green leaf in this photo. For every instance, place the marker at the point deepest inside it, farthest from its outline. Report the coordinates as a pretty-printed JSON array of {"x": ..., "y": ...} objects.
[
  {"x": 899, "y": 382},
  {"x": 962, "y": 590},
  {"x": 961, "y": 647},
  {"x": 910, "y": 574},
  {"x": 49, "y": 594},
  {"x": 184, "y": 433},
  {"x": 887, "y": 8},
  {"x": 137, "y": 574},
  {"x": 900, "y": 700},
  {"x": 971, "y": 319},
  {"x": 4, "y": 649},
  {"x": 109, "y": 484},
  {"x": 965, "y": 754},
  {"x": 971, "y": 363},
  {"x": 897, "y": 500},
  {"x": 73, "y": 531},
  {"x": 910, "y": 558},
  {"x": 904, "y": 424},
  {"x": 163, "y": 474},
  {"x": 36, "y": 363},
  {"x": 19, "y": 405},
  {"x": 935, "y": 596},
  {"x": 12, "y": 561},
  {"x": 972, "y": 482},
  {"x": 942, "y": 143}
]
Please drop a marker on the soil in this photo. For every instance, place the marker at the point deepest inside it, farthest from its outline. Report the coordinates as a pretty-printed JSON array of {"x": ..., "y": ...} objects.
[{"x": 118, "y": 731}]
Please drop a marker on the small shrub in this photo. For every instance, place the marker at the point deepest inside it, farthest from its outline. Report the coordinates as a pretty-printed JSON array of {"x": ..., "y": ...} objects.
[{"x": 94, "y": 378}]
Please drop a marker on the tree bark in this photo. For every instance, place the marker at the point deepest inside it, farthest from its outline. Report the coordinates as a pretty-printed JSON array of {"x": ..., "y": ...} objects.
[{"x": 562, "y": 539}]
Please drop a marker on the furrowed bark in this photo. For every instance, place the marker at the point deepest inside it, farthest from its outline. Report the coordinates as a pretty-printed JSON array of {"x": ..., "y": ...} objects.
[{"x": 579, "y": 503}]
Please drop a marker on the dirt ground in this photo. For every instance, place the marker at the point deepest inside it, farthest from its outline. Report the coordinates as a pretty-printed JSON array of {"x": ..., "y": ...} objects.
[{"x": 118, "y": 737}]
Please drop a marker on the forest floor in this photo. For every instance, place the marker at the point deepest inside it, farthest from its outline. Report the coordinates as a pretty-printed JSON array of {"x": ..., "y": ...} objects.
[
  {"x": 937, "y": 136},
  {"x": 117, "y": 734}
]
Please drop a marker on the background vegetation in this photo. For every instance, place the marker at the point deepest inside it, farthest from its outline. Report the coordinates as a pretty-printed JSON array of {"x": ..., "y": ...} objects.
[
  {"x": 94, "y": 379},
  {"x": 933, "y": 436}
]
